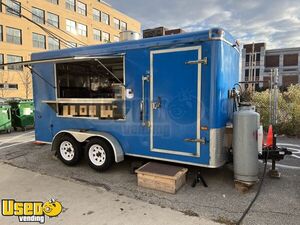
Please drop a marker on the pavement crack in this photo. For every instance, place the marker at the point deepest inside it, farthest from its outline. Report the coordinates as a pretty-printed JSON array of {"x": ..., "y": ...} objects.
[
  {"x": 17, "y": 156},
  {"x": 102, "y": 185}
]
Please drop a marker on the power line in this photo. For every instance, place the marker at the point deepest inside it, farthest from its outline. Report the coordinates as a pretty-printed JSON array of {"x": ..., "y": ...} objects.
[
  {"x": 41, "y": 77},
  {"x": 87, "y": 13},
  {"x": 13, "y": 11},
  {"x": 52, "y": 34},
  {"x": 23, "y": 7}
]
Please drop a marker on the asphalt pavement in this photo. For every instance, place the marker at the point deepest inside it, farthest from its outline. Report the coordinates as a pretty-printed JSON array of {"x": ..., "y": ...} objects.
[
  {"x": 82, "y": 204},
  {"x": 278, "y": 203}
]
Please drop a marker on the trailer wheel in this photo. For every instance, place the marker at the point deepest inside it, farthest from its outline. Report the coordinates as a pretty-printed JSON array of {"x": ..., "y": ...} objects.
[
  {"x": 68, "y": 150},
  {"x": 99, "y": 154}
]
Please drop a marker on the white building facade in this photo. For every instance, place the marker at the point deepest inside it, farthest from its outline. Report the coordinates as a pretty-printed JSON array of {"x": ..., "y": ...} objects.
[{"x": 257, "y": 63}]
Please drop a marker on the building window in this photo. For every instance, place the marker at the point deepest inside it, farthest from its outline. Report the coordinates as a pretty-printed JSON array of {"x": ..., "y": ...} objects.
[
  {"x": 247, "y": 58},
  {"x": 288, "y": 80},
  {"x": 290, "y": 60},
  {"x": 14, "y": 8},
  {"x": 1, "y": 61},
  {"x": 53, "y": 43},
  {"x": 38, "y": 41},
  {"x": 105, "y": 37},
  {"x": 97, "y": 34},
  {"x": 1, "y": 33},
  {"x": 12, "y": 59},
  {"x": 257, "y": 72},
  {"x": 247, "y": 73},
  {"x": 105, "y": 18},
  {"x": 116, "y": 39},
  {"x": 96, "y": 15},
  {"x": 272, "y": 61},
  {"x": 12, "y": 86},
  {"x": 257, "y": 57},
  {"x": 38, "y": 15},
  {"x": 8, "y": 86},
  {"x": 14, "y": 36},
  {"x": 53, "y": 19},
  {"x": 82, "y": 29},
  {"x": 72, "y": 45},
  {"x": 71, "y": 26},
  {"x": 70, "y": 4},
  {"x": 123, "y": 26},
  {"x": 53, "y": 1},
  {"x": 81, "y": 8},
  {"x": 116, "y": 24}
]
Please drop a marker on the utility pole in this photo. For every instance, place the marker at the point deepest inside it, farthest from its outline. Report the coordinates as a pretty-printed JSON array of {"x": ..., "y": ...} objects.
[
  {"x": 274, "y": 79},
  {"x": 252, "y": 63}
]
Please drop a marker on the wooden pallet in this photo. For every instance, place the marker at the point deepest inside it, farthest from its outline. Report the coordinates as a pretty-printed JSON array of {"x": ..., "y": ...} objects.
[{"x": 161, "y": 177}]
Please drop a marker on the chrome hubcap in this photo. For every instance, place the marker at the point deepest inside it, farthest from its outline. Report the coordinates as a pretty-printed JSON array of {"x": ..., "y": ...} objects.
[
  {"x": 97, "y": 155},
  {"x": 67, "y": 150}
]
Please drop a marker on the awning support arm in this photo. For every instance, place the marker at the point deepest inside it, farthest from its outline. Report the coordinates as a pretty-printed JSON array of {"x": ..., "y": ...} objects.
[
  {"x": 111, "y": 73},
  {"x": 36, "y": 73}
]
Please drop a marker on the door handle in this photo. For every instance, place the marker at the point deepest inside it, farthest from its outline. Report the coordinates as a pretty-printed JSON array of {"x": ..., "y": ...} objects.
[
  {"x": 201, "y": 140},
  {"x": 142, "y": 104}
]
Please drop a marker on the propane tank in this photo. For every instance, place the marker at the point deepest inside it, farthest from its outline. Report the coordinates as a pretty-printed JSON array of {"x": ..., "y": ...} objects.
[{"x": 246, "y": 123}]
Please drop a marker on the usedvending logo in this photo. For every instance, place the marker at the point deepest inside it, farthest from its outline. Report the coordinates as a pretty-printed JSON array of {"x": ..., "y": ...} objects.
[{"x": 31, "y": 211}]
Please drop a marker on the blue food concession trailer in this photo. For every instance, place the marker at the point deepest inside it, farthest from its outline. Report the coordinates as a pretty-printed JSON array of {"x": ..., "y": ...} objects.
[{"x": 164, "y": 98}]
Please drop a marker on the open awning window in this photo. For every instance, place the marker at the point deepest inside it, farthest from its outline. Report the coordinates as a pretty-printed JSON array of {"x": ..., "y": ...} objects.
[{"x": 100, "y": 78}]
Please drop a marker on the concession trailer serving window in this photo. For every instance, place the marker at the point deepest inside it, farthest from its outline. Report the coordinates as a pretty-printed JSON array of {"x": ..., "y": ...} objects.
[{"x": 91, "y": 88}]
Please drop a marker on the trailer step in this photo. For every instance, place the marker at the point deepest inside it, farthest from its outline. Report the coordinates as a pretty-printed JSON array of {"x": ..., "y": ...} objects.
[{"x": 162, "y": 177}]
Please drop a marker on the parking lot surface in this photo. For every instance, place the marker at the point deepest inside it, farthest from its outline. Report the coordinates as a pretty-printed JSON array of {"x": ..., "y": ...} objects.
[
  {"x": 84, "y": 204},
  {"x": 278, "y": 203}
]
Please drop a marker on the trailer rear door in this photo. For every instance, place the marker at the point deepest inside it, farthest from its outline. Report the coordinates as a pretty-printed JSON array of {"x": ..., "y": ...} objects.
[{"x": 175, "y": 95}]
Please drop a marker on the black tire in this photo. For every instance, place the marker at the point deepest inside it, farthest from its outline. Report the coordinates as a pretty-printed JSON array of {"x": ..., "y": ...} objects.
[
  {"x": 99, "y": 154},
  {"x": 68, "y": 150}
]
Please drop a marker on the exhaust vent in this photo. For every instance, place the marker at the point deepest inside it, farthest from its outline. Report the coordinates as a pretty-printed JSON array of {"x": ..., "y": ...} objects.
[{"x": 129, "y": 36}]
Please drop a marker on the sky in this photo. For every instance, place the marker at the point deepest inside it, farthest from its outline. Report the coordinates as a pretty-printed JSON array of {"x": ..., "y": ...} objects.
[{"x": 276, "y": 22}]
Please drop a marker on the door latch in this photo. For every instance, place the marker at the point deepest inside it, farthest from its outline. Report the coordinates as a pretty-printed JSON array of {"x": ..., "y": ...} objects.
[
  {"x": 193, "y": 62},
  {"x": 156, "y": 105},
  {"x": 201, "y": 140}
]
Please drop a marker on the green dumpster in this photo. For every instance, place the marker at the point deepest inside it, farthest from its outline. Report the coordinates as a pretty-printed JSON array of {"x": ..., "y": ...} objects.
[
  {"x": 22, "y": 112},
  {"x": 5, "y": 118}
]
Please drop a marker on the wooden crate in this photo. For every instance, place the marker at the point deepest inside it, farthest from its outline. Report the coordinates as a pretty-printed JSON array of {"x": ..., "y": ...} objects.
[{"x": 161, "y": 177}]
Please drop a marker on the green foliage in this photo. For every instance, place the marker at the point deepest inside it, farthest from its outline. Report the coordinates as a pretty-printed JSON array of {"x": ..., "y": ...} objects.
[{"x": 288, "y": 110}]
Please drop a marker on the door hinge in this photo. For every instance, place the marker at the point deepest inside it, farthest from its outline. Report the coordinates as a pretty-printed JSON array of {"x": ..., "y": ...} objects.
[{"x": 201, "y": 61}]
